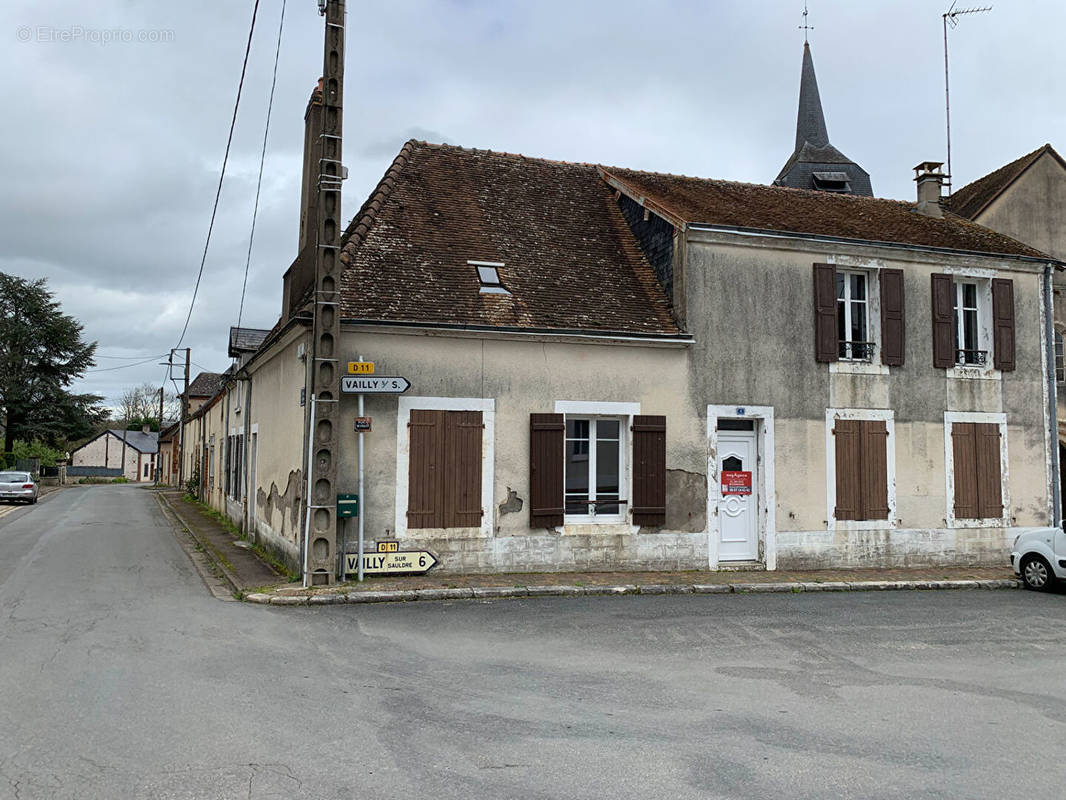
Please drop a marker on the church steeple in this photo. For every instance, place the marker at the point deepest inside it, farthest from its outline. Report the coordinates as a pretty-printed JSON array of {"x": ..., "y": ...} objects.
[
  {"x": 815, "y": 163},
  {"x": 810, "y": 122}
]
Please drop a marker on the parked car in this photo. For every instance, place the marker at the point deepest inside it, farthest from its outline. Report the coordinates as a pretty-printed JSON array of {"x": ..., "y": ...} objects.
[
  {"x": 1039, "y": 558},
  {"x": 18, "y": 486}
]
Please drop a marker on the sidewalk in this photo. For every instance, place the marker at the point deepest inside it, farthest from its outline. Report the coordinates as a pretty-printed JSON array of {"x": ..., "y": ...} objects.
[
  {"x": 233, "y": 557},
  {"x": 245, "y": 571}
]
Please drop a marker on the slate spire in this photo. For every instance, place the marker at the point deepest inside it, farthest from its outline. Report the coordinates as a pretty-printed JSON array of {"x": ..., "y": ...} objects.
[
  {"x": 810, "y": 121},
  {"x": 815, "y": 163}
]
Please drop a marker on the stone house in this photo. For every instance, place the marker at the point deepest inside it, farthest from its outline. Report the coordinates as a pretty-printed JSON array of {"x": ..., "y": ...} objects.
[
  {"x": 134, "y": 452},
  {"x": 622, "y": 369}
]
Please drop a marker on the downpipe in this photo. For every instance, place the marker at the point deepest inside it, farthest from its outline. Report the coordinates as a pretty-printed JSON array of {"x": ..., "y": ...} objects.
[{"x": 1052, "y": 399}]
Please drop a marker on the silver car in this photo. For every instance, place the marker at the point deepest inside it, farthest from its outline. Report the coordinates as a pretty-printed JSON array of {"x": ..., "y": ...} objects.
[{"x": 18, "y": 486}]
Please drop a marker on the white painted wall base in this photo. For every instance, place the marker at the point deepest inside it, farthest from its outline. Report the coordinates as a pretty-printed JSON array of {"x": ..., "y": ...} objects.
[{"x": 938, "y": 547}]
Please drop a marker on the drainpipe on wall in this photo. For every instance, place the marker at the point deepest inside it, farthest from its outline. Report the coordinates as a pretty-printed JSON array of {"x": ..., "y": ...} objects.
[{"x": 1052, "y": 399}]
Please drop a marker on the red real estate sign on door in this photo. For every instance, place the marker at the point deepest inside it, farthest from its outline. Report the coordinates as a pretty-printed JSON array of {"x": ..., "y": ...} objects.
[{"x": 736, "y": 482}]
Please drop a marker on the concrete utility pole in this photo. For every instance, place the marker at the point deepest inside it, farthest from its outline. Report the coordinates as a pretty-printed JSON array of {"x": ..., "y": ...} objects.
[{"x": 321, "y": 526}]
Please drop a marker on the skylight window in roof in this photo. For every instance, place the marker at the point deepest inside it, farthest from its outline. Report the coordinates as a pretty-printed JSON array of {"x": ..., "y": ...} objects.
[{"x": 488, "y": 273}]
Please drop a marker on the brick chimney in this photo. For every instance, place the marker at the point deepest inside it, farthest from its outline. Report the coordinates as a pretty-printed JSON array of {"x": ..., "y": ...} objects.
[
  {"x": 930, "y": 179},
  {"x": 309, "y": 185},
  {"x": 146, "y": 428}
]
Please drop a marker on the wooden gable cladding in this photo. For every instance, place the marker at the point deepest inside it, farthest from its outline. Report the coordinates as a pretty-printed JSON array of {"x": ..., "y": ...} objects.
[
  {"x": 1003, "y": 324},
  {"x": 649, "y": 470},
  {"x": 861, "y": 448},
  {"x": 893, "y": 321},
  {"x": 977, "y": 472},
  {"x": 826, "y": 346},
  {"x": 942, "y": 292},
  {"x": 547, "y": 434},
  {"x": 444, "y": 473}
]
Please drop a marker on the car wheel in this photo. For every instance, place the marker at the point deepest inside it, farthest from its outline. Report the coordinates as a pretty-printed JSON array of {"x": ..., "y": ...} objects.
[{"x": 1037, "y": 574}]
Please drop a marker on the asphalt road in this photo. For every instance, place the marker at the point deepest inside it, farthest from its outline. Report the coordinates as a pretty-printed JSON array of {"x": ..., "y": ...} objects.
[{"x": 121, "y": 677}]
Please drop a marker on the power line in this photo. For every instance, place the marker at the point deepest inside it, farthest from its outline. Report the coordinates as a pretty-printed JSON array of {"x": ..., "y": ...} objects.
[
  {"x": 262, "y": 159},
  {"x": 222, "y": 176},
  {"x": 126, "y": 358},
  {"x": 124, "y": 366}
]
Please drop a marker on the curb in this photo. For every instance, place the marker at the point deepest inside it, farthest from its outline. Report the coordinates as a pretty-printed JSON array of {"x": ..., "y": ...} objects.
[
  {"x": 205, "y": 547},
  {"x": 416, "y": 595}
]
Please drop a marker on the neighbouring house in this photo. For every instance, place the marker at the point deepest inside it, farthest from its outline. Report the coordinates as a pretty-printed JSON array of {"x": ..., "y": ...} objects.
[
  {"x": 1026, "y": 199},
  {"x": 615, "y": 369},
  {"x": 167, "y": 462},
  {"x": 117, "y": 453}
]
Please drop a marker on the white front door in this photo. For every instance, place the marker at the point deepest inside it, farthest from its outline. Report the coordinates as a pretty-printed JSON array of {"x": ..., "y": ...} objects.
[{"x": 738, "y": 500}]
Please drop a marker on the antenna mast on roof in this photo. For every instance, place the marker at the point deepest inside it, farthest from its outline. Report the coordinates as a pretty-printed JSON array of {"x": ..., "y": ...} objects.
[
  {"x": 951, "y": 18},
  {"x": 805, "y": 27}
]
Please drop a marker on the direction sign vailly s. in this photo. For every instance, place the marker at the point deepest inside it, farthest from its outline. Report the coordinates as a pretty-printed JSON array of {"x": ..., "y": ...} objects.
[
  {"x": 411, "y": 562},
  {"x": 374, "y": 384}
]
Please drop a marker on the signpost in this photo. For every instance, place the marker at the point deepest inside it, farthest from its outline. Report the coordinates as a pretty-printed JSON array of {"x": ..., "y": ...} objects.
[
  {"x": 384, "y": 384},
  {"x": 411, "y": 562},
  {"x": 362, "y": 381}
]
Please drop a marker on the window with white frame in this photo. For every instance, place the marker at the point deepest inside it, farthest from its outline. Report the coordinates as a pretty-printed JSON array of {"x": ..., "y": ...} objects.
[
  {"x": 853, "y": 316},
  {"x": 594, "y": 467},
  {"x": 971, "y": 344}
]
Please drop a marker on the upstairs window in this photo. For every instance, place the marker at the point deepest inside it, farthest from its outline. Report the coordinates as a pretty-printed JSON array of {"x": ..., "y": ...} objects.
[
  {"x": 970, "y": 347},
  {"x": 853, "y": 317}
]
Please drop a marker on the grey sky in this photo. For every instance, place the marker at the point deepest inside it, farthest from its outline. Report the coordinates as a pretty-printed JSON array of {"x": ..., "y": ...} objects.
[{"x": 110, "y": 148}]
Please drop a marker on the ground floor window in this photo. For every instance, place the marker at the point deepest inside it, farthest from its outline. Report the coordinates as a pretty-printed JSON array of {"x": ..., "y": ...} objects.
[
  {"x": 444, "y": 469},
  {"x": 595, "y": 462},
  {"x": 861, "y": 449},
  {"x": 976, "y": 455}
]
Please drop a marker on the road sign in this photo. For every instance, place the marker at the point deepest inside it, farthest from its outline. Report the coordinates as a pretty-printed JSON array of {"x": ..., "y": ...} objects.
[
  {"x": 388, "y": 545},
  {"x": 360, "y": 367},
  {"x": 386, "y": 384},
  {"x": 362, "y": 424},
  {"x": 411, "y": 562},
  {"x": 347, "y": 505}
]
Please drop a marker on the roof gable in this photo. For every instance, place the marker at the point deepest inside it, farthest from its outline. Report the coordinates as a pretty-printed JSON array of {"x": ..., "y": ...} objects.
[
  {"x": 569, "y": 261},
  {"x": 975, "y": 197}
]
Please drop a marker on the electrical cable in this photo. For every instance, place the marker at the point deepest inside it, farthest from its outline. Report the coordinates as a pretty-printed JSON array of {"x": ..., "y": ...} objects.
[
  {"x": 123, "y": 366},
  {"x": 262, "y": 159},
  {"x": 221, "y": 177}
]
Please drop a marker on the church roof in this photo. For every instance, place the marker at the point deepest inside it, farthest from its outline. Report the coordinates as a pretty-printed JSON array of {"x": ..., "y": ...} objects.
[
  {"x": 815, "y": 163},
  {"x": 973, "y": 198}
]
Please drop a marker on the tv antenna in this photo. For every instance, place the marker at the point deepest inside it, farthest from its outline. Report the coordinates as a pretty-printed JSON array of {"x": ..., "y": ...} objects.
[{"x": 951, "y": 17}]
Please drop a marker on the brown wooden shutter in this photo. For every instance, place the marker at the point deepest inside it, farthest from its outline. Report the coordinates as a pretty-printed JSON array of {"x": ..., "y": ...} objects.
[
  {"x": 425, "y": 474},
  {"x": 964, "y": 462},
  {"x": 847, "y": 442},
  {"x": 462, "y": 472},
  {"x": 826, "y": 346},
  {"x": 649, "y": 470},
  {"x": 1003, "y": 324},
  {"x": 943, "y": 300},
  {"x": 893, "y": 335},
  {"x": 989, "y": 485},
  {"x": 546, "y": 437},
  {"x": 874, "y": 470}
]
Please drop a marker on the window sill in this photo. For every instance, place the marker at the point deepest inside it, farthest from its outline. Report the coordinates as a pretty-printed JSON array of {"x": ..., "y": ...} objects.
[
  {"x": 974, "y": 373},
  {"x": 844, "y": 367},
  {"x": 445, "y": 533},
  {"x": 862, "y": 525},
  {"x": 991, "y": 522},
  {"x": 616, "y": 527}
]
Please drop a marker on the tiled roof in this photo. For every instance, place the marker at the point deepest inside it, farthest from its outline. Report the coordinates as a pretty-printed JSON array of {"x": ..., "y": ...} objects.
[
  {"x": 570, "y": 261},
  {"x": 138, "y": 440},
  {"x": 972, "y": 198},
  {"x": 746, "y": 205},
  {"x": 206, "y": 384}
]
